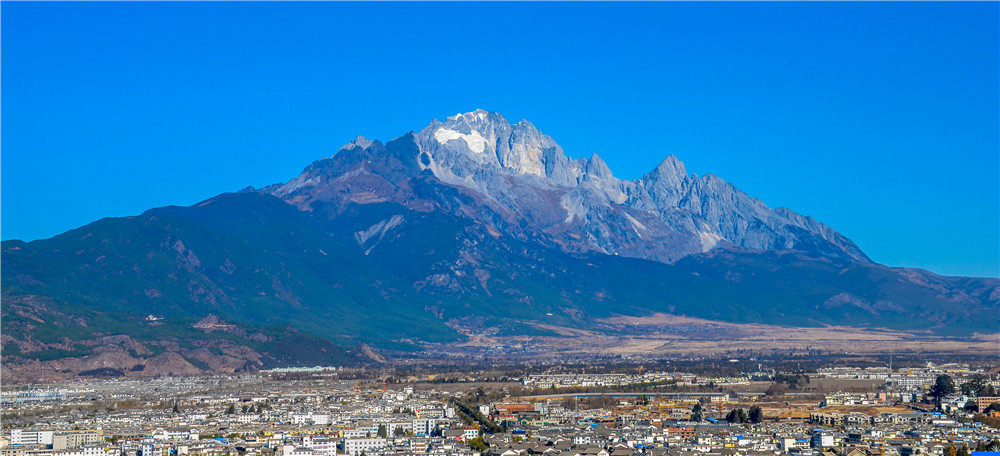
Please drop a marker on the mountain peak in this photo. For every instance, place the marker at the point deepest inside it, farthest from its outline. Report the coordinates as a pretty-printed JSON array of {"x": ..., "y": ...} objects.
[
  {"x": 479, "y": 114},
  {"x": 670, "y": 172},
  {"x": 480, "y": 141},
  {"x": 597, "y": 168},
  {"x": 524, "y": 181},
  {"x": 360, "y": 141},
  {"x": 671, "y": 165}
]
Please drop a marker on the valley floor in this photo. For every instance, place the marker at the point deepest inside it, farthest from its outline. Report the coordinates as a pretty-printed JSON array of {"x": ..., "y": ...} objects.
[{"x": 672, "y": 337}]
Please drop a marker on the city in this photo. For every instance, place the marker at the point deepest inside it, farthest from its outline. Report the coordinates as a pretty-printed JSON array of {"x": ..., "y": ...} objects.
[
  {"x": 947, "y": 409},
  {"x": 491, "y": 228}
]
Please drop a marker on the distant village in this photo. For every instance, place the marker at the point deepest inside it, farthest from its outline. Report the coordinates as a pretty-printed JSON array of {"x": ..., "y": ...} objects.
[{"x": 946, "y": 410}]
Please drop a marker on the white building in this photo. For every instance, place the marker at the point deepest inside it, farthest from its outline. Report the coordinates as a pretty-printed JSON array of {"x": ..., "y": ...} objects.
[
  {"x": 291, "y": 450},
  {"x": 320, "y": 446},
  {"x": 821, "y": 439},
  {"x": 355, "y": 447},
  {"x": 85, "y": 451},
  {"x": 64, "y": 440},
  {"x": 314, "y": 418},
  {"x": 173, "y": 435},
  {"x": 22, "y": 437},
  {"x": 423, "y": 426},
  {"x": 356, "y": 433}
]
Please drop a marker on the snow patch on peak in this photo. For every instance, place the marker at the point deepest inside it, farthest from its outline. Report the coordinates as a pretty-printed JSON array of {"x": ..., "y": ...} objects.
[
  {"x": 474, "y": 140},
  {"x": 479, "y": 114}
]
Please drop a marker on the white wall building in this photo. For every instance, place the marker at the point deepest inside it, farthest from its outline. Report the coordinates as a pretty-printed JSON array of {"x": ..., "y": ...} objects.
[
  {"x": 22, "y": 437},
  {"x": 821, "y": 439},
  {"x": 355, "y": 447},
  {"x": 423, "y": 426},
  {"x": 291, "y": 450}
]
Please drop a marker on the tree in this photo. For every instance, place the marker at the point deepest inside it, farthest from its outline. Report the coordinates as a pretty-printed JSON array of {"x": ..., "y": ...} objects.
[
  {"x": 979, "y": 385},
  {"x": 231, "y": 410},
  {"x": 398, "y": 431},
  {"x": 963, "y": 451},
  {"x": 988, "y": 391},
  {"x": 792, "y": 381},
  {"x": 987, "y": 420},
  {"x": 734, "y": 416},
  {"x": 177, "y": 408},
  {"x": 478, "y": 444},
  {"x": 993, "y": 445},
  {"x": 756, "y": 414},
  {"x": 943, "y": 386},
  {"x": 382, "y": 432},
  {"x": 975, "y": 384},
  {"x": 776, "y": 389},
  {"x": 696, "y": 412}
]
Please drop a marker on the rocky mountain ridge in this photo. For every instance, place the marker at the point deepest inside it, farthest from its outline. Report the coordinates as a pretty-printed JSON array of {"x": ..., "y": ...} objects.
[
  {"x": 385, "y": 249},
  {"x": 524, "y": 184}
]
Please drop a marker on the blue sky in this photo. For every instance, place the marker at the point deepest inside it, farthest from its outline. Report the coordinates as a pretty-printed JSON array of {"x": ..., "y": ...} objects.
[{"x": 878, "y": 119}]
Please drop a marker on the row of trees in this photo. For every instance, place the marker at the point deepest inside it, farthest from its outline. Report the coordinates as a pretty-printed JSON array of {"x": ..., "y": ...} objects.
[
  {"x": 486, "y": 424},
  {"x": 736, "y": 415},
  {"x": 794, "y": 381}
]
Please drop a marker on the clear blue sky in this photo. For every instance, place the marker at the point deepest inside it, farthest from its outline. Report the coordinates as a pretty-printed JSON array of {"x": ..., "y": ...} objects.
[{"x": 879, "y": 119}]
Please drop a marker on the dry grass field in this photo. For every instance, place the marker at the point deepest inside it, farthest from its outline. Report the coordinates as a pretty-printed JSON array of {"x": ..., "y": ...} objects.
[{"x": 664, "y": 335}]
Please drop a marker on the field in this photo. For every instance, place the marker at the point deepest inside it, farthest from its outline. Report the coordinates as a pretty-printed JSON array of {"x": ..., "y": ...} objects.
[{"x": 669, "y": 336}]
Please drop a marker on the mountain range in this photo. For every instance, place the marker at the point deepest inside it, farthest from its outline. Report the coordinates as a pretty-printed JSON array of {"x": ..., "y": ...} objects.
[{"x": 471, "y": 224}]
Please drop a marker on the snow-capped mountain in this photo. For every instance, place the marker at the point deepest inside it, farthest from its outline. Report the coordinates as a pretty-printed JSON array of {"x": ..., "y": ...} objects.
[
  {"x": 521, "y": 182},
  {"x": 468, "y": 223}
]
